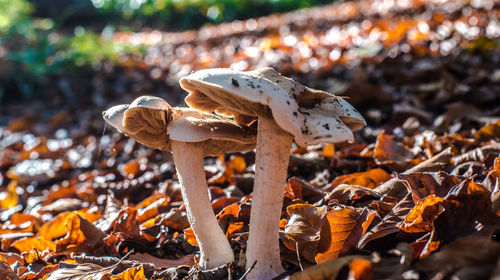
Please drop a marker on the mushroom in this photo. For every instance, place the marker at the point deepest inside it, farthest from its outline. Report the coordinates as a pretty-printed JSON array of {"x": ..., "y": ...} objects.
[
  {"x": 285, "y": 110},
  {"x": 190, "y": 136}
]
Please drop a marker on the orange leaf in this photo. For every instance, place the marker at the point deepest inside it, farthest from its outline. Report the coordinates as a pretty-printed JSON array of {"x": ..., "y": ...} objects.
[
  {"x": 368, "y": 179},
  {"x": 79, "y": 230},
  {"x": 10, "y": 197},
  {"x": 328, "y": 150},
  {"x": 389, "y": 151},
  {"x": 360, "y": 269},
  {"x": 422, "y": 216},
  {"x": 33, "y": 243},
  {"x": 238, "y": 163},
  {"x": 341, "y": 231},
  {"x": 134, "y": 273},
  {"x": 491, "y": 130},
  {"x": 5, "y": 270},
  {"x": 190, "y": 237}
]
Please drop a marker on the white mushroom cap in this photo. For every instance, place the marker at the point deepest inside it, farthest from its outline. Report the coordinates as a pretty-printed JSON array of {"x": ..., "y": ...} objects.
[
  {"x": 114, "y": 116},
  {"x": 311, "y": 116},
  {"x": 153, "y": 122}
]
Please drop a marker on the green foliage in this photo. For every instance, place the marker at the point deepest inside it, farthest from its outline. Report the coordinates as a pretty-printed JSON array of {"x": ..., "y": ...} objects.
[
  {"x": 32, "y": 49},
  {"x": 12, "y": 11},
  {"x": 182, "y": 14}
]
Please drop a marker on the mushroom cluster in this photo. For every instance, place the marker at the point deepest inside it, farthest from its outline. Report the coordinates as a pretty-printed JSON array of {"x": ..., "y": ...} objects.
[
  {"x": 189, "y": 135},
  {"x": 285, "y": 111}
]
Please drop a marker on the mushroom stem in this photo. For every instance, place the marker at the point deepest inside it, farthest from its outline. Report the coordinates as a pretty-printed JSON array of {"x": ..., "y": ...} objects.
[
  {"x": 271, "y": 165},
  {"x": 214, "y": 246}
]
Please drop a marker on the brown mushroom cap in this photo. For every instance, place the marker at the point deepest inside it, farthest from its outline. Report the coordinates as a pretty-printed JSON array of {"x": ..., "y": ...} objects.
[
  {"x": 311, "y": 116},
  {"x": 154, "y": 123}
]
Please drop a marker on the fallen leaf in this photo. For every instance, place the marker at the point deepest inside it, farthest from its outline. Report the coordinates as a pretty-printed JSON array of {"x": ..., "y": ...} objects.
[
  {"x": 9, "y": 197},
  {"x": 390, "y": 224},
  {"x": 303, "y": 228},
  {"x": 133, "y": 273},
  {"x": 5, "y": 271},
  {"x": 342, "y": 231},
  {"x": 368, "y": 179},
  {"x": 87, "y": 271}
]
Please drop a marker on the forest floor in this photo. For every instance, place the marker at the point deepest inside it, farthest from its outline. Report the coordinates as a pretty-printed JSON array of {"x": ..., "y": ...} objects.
[{"x": 417, "y": 196}]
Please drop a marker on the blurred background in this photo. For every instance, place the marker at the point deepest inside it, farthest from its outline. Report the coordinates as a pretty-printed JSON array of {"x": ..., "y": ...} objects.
[{"x": 64, "y": 61}]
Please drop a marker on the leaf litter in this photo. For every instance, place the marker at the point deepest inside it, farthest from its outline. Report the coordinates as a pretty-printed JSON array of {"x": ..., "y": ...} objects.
[{"x": 416, "y": 197}]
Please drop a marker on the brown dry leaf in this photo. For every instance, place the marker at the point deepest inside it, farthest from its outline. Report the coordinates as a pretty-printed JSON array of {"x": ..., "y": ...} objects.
[
  {"x": 61, "y": 192},
  {"x": 368, "y": 179},
  {"x": 388, "y": 151},
  {"x": 6, "y": 272},
  {"x": 176, "y": 219},
  {"x": 360, "y": 269},
  {"x": 341, "y": 231},
  {"x": 33, "y": 243},
  {"x": 80, "y": 230},
  {"x": 325, "y": 271},
  {"x": 328, "y": 150},
  {"x": 299, "y": 189},
  {"x": 127, "y": 222},
  {"x": 489, "y": 131},
  {"x": 190, "y": 237},
  {"x": 153, "y": 209},
  {"x": 131, "y": 169},
  {"x": 422, "y": 216},
  {"x": 349, "y": 194},
  {"x": 238, "y": 163},
  {"x": 162, "y": 263},
  {"x": 394, "y": 187},
  {"x": 56, "y": 227},
  {"x": 86, "y": 271},
  {"x": 10, "y": 197},
  {"x": 429, "y": 183},
  {"x": 133, "y": 273},
  {"x": 464, "y": 253},
  {"x": 391, "y": 223},
  {"x": 303, "y": 228},
  {"x": 436, "y": 163}
]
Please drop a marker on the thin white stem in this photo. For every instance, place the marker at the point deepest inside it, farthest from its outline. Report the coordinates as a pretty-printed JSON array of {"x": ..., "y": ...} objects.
[
  {"x": 271, "y": 165},
  {"x": 214, "y": 246}
]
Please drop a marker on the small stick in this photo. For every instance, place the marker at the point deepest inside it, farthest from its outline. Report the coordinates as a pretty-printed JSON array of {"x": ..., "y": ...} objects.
[
  {"x": 248, "y": 270},
  {"x": 298, "y": 255}
]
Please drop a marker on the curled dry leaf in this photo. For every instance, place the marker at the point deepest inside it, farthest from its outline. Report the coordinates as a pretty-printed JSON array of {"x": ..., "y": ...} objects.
[
  {"x": 80, "y": 230},
  {"x": 421, "y": 217},
  {"x": 388, "y": 151},
  {"x": 133, "y": 273},
  {"x": 5, "y": 271},
  {"x": 342, "y": 231},
  {"x": 368, "y": 179},
  {"x": 390, "y": 224},
  {"x": 303, "y": 228},
  {"x": 350, "y": 194},
  {"x": 87, "y": 271},
  {"x": 429, "y": 183},
  {"x": 327, "y": 270},
  {"x": 467, "y": 252}
]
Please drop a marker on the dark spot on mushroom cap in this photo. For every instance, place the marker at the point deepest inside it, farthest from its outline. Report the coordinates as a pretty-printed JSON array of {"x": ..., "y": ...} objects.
[
  {"x": 234, "y": 82},
  {"x": 295, "y": 114},
  {"x": 326, "y": 126}
]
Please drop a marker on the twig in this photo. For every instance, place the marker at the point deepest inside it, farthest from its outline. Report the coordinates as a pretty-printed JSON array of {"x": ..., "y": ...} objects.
[
  {"x": 298, "y": 255},
  {"x": 248, "y": 270}
]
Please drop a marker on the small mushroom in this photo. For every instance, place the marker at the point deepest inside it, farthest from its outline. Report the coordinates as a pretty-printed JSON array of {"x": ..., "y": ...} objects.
[
  {"x": 285, "y": 110},
  {"x": 190, "y": 136}
]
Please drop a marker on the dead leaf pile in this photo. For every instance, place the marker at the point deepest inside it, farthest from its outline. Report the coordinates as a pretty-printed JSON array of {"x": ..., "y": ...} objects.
[{"x": 416, "y": 197}]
